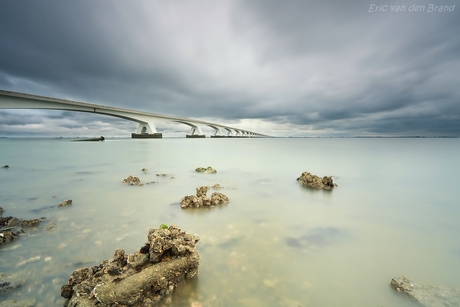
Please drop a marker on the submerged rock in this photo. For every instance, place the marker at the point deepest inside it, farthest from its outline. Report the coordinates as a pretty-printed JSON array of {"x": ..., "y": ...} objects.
[
  {"x": 15, "y": 303},
  {"x": 11, "y": 221},
  {"x": 65, "y": 203},
  {"x": 139, "y": 279},
  {"x": 9, "y": 283},
  {"x": 31, "y": 222},
  {"x": 313, "y": 181},
  {"x": 207, "y": 170},
  {"x": 201, "y": 200},
  {"x": 426, "y": 294},
  {"x": 10, "y": 227}
]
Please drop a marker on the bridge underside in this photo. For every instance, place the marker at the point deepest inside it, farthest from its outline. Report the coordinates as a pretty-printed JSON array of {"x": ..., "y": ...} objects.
[{"x": 146, "y": 121}]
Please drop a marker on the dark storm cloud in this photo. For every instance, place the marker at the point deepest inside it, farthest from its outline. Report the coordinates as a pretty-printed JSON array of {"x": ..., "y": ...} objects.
[{"x": 286, "y": 67}]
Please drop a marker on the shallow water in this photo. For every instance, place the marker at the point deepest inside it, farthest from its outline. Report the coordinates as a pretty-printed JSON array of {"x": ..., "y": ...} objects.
[{"x": 395, "y": 212}]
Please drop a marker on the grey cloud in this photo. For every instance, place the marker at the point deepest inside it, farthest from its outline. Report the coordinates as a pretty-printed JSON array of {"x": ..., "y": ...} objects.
[{"x": 314, "y": 65}]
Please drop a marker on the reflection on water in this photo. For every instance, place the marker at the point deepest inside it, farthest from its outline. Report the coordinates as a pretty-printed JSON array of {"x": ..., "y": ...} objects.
[{"x": 275, "y": 244}]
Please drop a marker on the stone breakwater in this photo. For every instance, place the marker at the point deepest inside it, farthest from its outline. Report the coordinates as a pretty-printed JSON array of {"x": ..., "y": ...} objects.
[
  {"x": 201, "y": 200},
  {"x": 139, "y": 279},
  {"x": 313, "y": 181}
]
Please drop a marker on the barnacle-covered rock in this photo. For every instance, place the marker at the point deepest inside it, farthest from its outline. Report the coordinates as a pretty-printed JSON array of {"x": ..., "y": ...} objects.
[
  {"x": 207, "y": 170},
  {"x": 313, "y": 181},
  {"x": 139, "y": 279},
  {"x": 201, "y": 200},
  {"x": 131, "y": 180}
]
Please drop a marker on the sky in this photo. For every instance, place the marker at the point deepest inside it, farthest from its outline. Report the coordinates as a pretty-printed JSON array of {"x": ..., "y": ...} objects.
[{"x": 280, "y": 68}]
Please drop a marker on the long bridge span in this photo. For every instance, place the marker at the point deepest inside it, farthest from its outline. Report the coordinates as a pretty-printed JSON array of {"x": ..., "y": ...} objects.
[{"x": 146, "y": 120}]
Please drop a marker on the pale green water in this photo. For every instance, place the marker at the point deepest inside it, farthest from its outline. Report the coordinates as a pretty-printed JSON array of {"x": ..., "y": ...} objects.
[{"x": 395, "y": 212}]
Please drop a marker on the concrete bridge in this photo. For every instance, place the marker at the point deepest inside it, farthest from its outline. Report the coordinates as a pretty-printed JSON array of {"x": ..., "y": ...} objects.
[{"x": 146, "y": 120}]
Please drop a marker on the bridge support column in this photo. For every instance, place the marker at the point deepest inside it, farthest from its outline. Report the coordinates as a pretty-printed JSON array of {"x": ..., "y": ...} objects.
[
  {"x": 146, "y": 131},
  {"x": 197, "y": 130},
  {"x": 218, "y": 133}
]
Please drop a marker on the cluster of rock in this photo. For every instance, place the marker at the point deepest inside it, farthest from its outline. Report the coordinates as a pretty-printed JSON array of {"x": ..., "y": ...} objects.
[
  {"x": 313, "y": 181},
  {"x": 426, "y": 294},
  {"x": 139, "y": 279},
  {"x": 10, "y": 227},
  {"x": 201, "y": 200},
  {"x": 207, "y": 170},
  {"x": 132, "y": 180}
]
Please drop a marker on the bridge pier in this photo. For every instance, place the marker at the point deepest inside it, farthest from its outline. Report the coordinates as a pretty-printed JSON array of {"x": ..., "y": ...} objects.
[
  {"x": 155, "y": 135},
  {"x": 195, "y": 136}
]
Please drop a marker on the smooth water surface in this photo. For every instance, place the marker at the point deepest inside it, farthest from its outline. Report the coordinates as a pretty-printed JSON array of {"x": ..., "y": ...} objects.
[{"x": 395, "y": 212}]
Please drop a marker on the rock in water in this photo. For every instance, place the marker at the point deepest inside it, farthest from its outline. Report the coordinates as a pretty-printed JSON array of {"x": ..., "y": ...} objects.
[
  {"x": 1, "y": 210},
  {"x": 65, "y": 203},
  {"x": 201, "y": 191},
  {"x": 426, "y": 294},
  {"x": 139, "y": 279},
  {"x": 313, "y": 181},
  {"x": 131, "y": 180},
  {"x": 201, "y": 200},
  {"x": 207, "y": 170}
]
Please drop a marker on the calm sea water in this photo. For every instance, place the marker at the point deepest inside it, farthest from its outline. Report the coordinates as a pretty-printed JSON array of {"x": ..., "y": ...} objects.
[{"x": 395, "y": 212}]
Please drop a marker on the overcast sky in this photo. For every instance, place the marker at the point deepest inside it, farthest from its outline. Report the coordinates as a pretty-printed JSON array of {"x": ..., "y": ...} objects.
[{"x": 283, "y": 68}]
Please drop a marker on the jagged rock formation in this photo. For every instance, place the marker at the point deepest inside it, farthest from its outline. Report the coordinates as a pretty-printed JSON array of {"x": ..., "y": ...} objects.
[
  {"x": 426, "y": 294},
  {"x": 139, "y": 279},
  {"x": 201, "y": 200},
  {"x": 207, "y": 170},
  {"x": 313, "y": 181}
]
